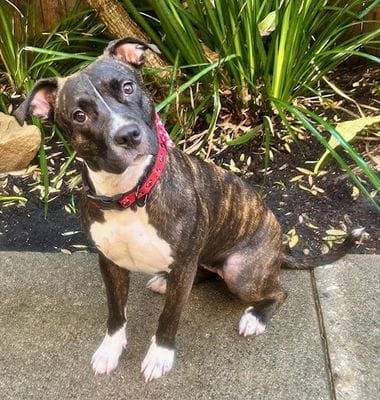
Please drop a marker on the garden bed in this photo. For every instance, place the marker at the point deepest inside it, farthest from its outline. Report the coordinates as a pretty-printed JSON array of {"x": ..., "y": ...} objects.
[{"x": 311, "y": 220}]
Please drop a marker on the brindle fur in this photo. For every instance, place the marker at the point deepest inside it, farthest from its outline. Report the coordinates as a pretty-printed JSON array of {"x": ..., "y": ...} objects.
[{"x": 208, "y": 223}]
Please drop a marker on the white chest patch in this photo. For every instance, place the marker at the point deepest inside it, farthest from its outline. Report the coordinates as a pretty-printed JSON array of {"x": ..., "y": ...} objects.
[{"x": 127, "y": 239}]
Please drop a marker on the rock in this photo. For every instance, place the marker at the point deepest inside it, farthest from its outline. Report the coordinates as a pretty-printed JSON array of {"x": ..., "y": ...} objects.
[{"x": 18, "y": 144}]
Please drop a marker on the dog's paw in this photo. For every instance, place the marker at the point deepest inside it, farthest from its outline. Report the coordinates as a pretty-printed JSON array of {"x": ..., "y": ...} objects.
[
  {"x": 106, "y": 357},
  {"x": 157, "y": 284},
  {"x": 157, "y": 362},
  {"x": 249, "y": 324}
]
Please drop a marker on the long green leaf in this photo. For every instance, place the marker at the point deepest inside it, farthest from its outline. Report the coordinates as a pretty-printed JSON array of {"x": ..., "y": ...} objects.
[
  {"x": 195, "y": 78},
  {"x": 246, "y": 137},
  {"x": 58, "y": 55},
  {"x": 300, "y": 114}
]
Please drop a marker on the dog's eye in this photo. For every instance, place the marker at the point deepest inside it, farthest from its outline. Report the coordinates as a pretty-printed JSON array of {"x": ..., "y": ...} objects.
[
  {"x": 79, "y": 116},
  {"x": 128, "y": 88}
]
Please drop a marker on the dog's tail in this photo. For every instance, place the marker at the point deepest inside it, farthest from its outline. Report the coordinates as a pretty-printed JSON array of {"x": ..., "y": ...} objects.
[{"x": 310, "y": 262}]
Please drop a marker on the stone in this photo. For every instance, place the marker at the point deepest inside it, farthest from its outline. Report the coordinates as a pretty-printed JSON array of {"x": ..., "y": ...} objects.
[{"x": 18, "y": 144}]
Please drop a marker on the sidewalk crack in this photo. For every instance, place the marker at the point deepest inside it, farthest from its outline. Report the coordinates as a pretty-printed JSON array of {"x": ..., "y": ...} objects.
[{"x": 323, "y": 336}]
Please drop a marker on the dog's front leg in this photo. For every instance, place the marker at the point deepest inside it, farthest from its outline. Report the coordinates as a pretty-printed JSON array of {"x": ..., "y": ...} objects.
[
  {"x": 160, "y": 356},
  {"x": 116, "y": 280}
]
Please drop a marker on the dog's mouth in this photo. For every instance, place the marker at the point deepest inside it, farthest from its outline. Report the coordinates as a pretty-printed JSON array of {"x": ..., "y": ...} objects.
[
  {"x": 118, "y": 158},
  {"x": 116, "y": 155},
  {"x": 134, "y": 147}
]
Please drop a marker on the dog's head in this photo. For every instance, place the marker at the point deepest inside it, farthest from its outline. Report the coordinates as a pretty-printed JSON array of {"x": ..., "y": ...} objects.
[{"x": 104, "y": 110}]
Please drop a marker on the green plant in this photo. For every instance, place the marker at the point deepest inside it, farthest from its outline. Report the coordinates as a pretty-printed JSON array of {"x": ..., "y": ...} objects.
[
  {"x": 271, "y": 53},
  {"x": 283, "y": 49},
  {"x": 75, "y": 41},
  {"x": 306, "y": 117},
  {"x": 25, "y": 58},
  {"x": 13, "y": 60}
]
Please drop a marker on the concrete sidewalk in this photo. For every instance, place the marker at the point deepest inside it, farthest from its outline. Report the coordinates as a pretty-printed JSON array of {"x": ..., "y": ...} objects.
[{"x": 323, "y": 343}]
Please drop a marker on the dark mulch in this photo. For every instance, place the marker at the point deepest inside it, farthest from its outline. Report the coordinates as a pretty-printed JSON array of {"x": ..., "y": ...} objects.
[
  {"x": 313, "y": 215},
  {"x": 23, "y": 227}
]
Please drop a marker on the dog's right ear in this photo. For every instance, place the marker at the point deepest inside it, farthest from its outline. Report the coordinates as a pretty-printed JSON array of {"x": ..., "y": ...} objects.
[
  {"x": 40, "y": 102},
  {"x": 130, "y": 50}
]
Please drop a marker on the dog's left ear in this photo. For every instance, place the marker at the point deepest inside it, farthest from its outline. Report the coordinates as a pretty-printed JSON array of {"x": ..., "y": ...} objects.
[{"x": 129, "y": 50}]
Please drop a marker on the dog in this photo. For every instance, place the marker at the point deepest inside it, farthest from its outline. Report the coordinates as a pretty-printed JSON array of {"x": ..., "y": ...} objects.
[{"x": 149, "y": 207}]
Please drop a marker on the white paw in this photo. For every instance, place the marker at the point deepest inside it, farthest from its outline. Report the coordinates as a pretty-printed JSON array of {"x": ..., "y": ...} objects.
[
  {"x": 157, "y": 284},
  {"x": 250, "y": 325},
  {"x": 106, "y": 357},
  {"x": 157, "y": 362}
]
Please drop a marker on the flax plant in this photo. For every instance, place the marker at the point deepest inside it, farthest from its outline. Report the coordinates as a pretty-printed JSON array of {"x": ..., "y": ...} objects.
[
  {"x": 282, "y": 48},
  {"x": 25, "y": 58}
]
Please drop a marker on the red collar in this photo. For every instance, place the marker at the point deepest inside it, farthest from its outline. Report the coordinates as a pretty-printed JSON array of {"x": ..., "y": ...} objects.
[{"x": 139, "y": 193}]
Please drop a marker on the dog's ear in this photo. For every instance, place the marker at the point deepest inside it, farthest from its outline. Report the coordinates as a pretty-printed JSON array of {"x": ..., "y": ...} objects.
[
  {"x": 129, "y": 50},
  {"x": 40, "y": 102}
]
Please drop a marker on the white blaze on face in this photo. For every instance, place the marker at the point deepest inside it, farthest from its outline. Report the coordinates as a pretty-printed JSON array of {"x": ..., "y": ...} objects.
[{"x": 100, "y": 97}]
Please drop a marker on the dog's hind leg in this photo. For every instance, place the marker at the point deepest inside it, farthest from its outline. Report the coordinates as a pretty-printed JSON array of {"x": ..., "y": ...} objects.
[
  {"x": 256, "y": 317},
  {"x": 158, "y": 283},
  {"x": 257, "y": 287},
  {"x": 252, "y": 273},
  {"x": 116, "y": 280}
]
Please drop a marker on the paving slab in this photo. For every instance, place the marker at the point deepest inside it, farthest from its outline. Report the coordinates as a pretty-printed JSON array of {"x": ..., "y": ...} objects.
[
  {"x": 52, "y": 318},
  {"x": 349, "y": 293}
]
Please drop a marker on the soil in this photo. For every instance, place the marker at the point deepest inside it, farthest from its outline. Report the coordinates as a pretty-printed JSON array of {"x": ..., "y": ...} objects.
[{"x": 309, "y": 219}]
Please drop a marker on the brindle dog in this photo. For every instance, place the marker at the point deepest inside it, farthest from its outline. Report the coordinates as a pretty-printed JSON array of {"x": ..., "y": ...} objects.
[{"x": 196, "y": 215}]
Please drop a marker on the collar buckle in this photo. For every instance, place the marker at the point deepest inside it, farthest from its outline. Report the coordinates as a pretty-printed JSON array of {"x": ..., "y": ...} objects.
[{"x": 141, "y": 202}]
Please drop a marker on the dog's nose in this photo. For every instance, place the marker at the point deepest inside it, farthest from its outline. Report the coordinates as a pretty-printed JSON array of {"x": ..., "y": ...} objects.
[{"x": 128, "y": 136}]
